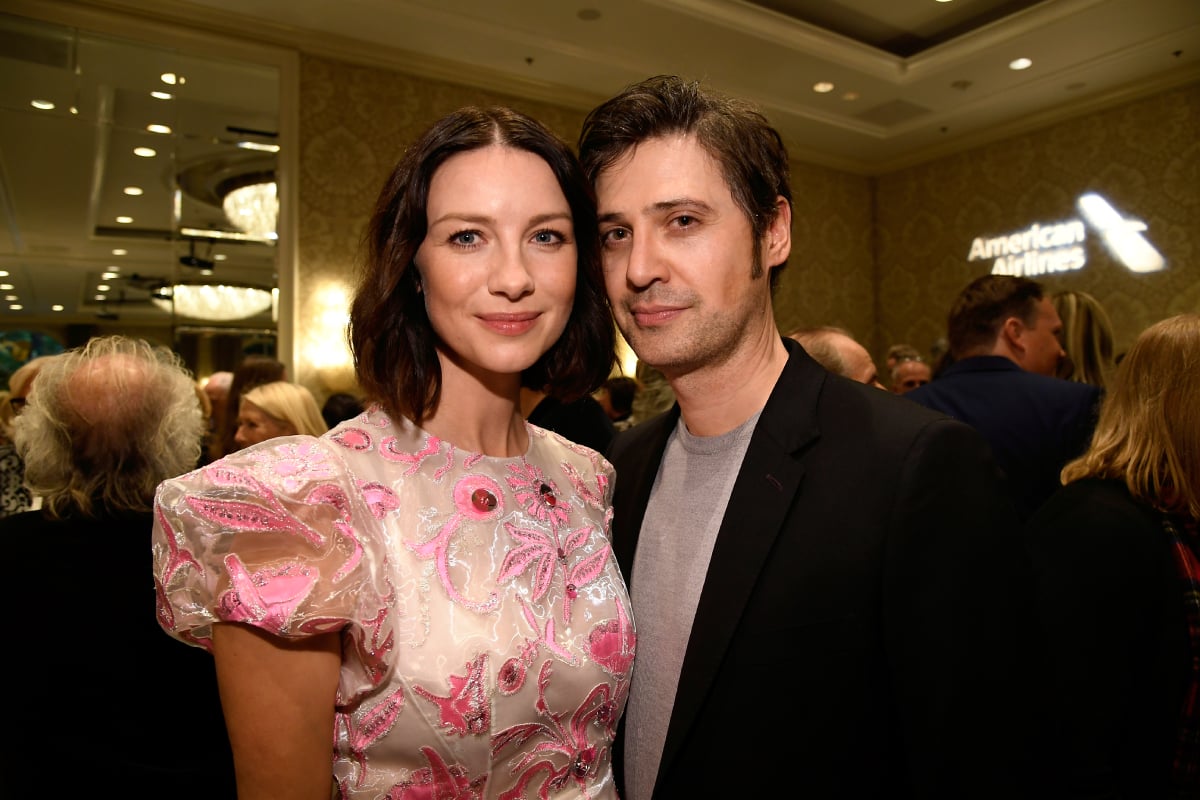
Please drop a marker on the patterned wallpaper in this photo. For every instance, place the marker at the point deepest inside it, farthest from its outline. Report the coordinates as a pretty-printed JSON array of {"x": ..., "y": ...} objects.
[
  {"x": 883, "y": 257},
  {"x": 1144, "y": 157}
]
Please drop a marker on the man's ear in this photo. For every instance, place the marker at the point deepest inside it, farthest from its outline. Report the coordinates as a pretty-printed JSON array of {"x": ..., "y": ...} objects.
[
  {"x": 1013, "y": 332},
  {"x": 777, "y": 242}
]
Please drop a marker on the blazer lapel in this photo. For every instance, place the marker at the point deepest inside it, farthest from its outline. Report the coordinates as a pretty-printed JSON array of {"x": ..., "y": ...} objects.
[{"x": 762, "y": 497}]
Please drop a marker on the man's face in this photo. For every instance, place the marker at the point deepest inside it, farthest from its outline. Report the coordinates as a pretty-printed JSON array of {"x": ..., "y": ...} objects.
[
  {"x": 678, "y": 257},
  {"x": 1040, "y": 342},
  {"x": 909, "y": 375}
]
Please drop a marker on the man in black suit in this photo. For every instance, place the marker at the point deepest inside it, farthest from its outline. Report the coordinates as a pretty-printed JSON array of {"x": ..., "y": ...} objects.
[
  {"x": 827, "y": 581},
  {"x": 1004, "y": 339}
]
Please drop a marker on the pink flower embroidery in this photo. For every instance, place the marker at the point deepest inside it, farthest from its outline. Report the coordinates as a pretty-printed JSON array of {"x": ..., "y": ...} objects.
[
  {"x": 542, "y": 551},
  {"x": 478, "y": 497},
  {"x": 266, "y": 599},
  {"x": 466, "y": 709},
  {"x": 380, "y": 499},
  {"x": 293, "y": 465},
  {"x": 537, "y": 495},
  {"x": 612, "y": 643},
  {"x": 438, "y": 782},
  {"x": 373, "y": 726},
  {"x": 564, "y": 753},
  {"x": 353, "y": 439}
]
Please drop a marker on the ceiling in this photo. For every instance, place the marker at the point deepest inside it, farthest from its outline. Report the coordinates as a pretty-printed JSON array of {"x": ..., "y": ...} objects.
[{"x": 911, "y": 80}]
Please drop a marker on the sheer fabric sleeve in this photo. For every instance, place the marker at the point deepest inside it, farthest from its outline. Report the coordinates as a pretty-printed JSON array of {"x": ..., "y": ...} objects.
[{"x": 279, "y": 536}]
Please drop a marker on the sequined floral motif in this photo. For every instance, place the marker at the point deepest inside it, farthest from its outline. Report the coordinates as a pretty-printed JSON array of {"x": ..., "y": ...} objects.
[
  {"x": 439, "y": 781},
  {"x": 466, "y": 709},
  {"x": 554, "y": 754},
  {"x": 478, "y": 497},
  {"x": 542, "y": 552},
  {"x": 537, "y": 494}
]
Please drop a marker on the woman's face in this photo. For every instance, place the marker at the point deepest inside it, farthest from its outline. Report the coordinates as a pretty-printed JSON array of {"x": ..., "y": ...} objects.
[
  {"x": 255, "y": 425},
  {"x": 498, "y": 262}
]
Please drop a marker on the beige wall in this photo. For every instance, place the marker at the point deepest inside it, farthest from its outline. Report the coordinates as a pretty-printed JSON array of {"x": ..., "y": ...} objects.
[
  {"x": 1143, "y": 156},
  {"x": 883, "y": 257}
]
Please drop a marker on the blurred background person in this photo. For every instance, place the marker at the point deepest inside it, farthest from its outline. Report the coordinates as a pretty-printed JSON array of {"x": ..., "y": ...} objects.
[
  {"x": 1087, "y": 338},
  {"x": 1117, "y": 560},
  {"x": 900, "y": 352},
  {"x": 654, "y": 394},
  {"x": 217, "y": 389},
  {"x": 253, "y": 371},
  {"x": 1003, "y": 332},
  {"x": 616, "y": 397},
  {"x": 910, "y": 373},
  {"x": 581, "y": 420},
  {"x": 278, "y": 408},
  {"x": 15, "y": 496},
  {"x": 836, "y": 350},
  {"x": 341, "y": 406},
  {"x": 102, "y": 427}
]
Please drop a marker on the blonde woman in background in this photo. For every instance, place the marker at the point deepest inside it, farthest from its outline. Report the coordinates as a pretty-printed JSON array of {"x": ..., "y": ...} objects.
[
  {"x": 1087, "y": 336},
  {"x": 1117, "y": 559},
  {"x": 275, "y": 409}
]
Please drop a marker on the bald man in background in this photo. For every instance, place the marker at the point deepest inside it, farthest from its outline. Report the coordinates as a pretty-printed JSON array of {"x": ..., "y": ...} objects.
[{"x": 836, "y": 350}]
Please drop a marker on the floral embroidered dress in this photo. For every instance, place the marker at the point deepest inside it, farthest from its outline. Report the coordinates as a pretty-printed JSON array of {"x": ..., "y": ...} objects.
[{"x": 487, "y": 638}]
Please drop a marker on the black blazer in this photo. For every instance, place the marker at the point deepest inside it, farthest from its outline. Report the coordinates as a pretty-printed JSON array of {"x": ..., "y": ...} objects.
[{"x": 864, "y": 615}]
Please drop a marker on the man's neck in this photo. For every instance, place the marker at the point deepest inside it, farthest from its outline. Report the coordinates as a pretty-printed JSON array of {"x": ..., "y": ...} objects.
[{"x": 718, "y": 398}]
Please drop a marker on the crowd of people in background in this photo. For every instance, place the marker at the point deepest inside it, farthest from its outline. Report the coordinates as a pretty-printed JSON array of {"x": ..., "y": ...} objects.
[{"x": 976, "y": 570}]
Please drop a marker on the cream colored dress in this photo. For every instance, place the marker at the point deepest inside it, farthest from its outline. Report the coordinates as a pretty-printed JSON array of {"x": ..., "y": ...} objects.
[{"x": 487, "y": 637}]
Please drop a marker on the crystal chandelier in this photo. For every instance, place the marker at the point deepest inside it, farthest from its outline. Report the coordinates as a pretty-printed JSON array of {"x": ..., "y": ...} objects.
[
  {"x": 213, "y": 301},
  {"x": 253, "y": 208}
]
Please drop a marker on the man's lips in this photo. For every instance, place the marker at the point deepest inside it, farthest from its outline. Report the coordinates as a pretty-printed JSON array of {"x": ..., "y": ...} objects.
[
  {"x": 649, "y": 316},
  {"x": 510, "y": 323}
]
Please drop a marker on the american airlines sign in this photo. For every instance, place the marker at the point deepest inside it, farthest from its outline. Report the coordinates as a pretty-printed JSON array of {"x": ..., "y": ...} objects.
[{"x": 1047, "y": 248}]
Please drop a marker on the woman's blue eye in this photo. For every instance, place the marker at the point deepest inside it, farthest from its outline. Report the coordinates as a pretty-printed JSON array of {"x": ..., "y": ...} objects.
[{"x": 464, "y": 237}]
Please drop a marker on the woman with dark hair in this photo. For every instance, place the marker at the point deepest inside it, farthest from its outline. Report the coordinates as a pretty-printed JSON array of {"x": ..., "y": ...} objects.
[
  {"x": 1117, "y": 553},
  {"x": 423, "y": 602}
]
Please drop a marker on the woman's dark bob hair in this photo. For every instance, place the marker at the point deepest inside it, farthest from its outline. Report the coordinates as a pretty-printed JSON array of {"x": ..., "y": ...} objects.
[{"x": 394, "y": 345}]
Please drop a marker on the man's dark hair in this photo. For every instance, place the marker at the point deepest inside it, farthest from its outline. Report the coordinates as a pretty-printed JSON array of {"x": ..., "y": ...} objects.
[
  {"x": 750, "y": 153},
  {"x": 980, "y": 309}
]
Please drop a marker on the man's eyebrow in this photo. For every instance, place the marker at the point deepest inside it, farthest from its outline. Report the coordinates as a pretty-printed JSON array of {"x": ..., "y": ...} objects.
[{"x": 660, "y": 207}]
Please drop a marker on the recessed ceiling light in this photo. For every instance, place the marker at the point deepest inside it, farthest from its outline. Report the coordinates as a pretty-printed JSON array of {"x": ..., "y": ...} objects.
[
  {"x": 145, "y": 152},
  {"x": 100, "y": 297},
  {"x": 133, "y": 191},
  {"x": 266, "y": 148},
  {"x": 11, "y": 298},
  {"x": 171, "y": 79},
  {"x": 124, "y": 220},
  {"x": 162, "y": 95},
  {"x": 850, "y": 96},
  {"x": 56, "y": 307},
  {"x": 3, "y": 273},
  {"x": 1020, "y": 63},
  {"x": 6, "y": 287},
  {"x": 42, "y": 105},
  {"x": 823, "y": 87},
  {"x": 104, "y": 287},
  {"x": 220, "y": 257},
  {"x": 120, "y": 251},
  {"x": 15, "y": 307},
  {"x": 156, "y": 128},
  {"x": 108, "y": 276}
]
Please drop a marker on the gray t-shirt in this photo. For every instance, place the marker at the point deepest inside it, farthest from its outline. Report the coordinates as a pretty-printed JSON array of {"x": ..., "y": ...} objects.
[{"x": 683, "y": 517}]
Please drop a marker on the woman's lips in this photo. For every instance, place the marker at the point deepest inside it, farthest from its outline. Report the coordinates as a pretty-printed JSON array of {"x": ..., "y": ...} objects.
[{"x": 510, "y": 324}]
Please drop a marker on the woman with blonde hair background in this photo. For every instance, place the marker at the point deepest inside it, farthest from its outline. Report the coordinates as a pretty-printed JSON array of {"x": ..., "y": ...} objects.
[
  {"x": 1117, "y": 559},
  {"x": 1087, "y": 336},
  {"x": 275, "y": 409}
]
